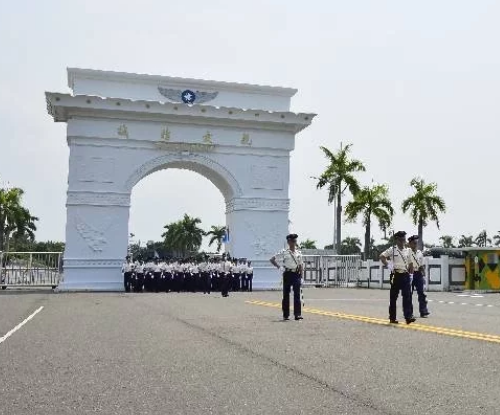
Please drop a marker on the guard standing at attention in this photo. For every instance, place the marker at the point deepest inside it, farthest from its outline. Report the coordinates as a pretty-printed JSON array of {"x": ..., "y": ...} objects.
[
  {"x": 417, "y": 258},
  {"x": 127, "y": 269},
  {"x": 398, "y": 260},
  {"x": 293, "y": 264}
]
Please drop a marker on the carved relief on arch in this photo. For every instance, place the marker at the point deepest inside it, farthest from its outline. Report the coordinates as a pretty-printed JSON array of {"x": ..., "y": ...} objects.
[{"x": 193, "y": 159}]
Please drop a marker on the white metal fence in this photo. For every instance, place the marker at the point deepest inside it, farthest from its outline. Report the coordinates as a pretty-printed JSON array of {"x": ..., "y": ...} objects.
[
  {"x": 332, "y": 270},
  {"x": 30, "y": 269}
]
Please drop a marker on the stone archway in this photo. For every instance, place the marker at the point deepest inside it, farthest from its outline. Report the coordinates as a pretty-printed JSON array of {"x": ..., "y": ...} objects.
[{"x": 143, "y": 126}]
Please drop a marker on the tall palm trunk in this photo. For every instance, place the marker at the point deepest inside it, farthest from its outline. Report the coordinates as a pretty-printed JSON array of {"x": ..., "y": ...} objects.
[
  {"x": 367, "y": 239},
  {"x": 420, "y": 233},
  {"x": 7, "y": 243},
  {"x": 339, "y": 222}
]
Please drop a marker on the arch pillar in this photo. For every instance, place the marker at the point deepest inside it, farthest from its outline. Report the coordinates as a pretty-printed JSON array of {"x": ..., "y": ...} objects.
[
  {"x": 257, "y": 229},
  {"x": 96, "y": 239}
]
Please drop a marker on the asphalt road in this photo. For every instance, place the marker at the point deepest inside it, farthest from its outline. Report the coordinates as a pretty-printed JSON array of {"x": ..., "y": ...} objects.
[{"x": 196, "y": 354}]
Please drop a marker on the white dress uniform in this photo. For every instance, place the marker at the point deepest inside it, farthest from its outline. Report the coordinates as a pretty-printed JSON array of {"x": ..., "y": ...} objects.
[
  {"x": 399, "y": 262},
  {"x": 400, "y": 259},
  {"x": 291, "y": 260}
]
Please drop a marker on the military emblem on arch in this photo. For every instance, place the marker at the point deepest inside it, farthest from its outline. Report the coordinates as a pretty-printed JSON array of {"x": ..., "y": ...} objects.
[{"x": 187, "y": 96}]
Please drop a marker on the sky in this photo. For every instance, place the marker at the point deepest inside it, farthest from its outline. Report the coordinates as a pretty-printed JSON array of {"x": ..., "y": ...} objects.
[{"x": 414, "y": 86}]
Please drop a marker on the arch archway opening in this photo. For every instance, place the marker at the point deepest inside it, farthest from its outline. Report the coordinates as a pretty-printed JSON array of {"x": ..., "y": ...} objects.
[{"x": 167, "y": 193}]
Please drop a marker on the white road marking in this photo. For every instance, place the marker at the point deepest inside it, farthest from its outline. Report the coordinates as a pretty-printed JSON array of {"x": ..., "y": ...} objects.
[
  {"x": 463, "y": 295},
  {"x": 464, "y": 303},
  {"x": 441, "y": 301},
  {"x": 479, "y": 305},
  {"x": 451, "y": 302},
  {"x": 22, "y": 323},
  {"x": 489, "y": 305}
]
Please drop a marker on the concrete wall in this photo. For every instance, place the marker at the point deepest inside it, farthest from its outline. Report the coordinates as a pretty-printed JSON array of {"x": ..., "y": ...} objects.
[{"x": 442, "y": 274}]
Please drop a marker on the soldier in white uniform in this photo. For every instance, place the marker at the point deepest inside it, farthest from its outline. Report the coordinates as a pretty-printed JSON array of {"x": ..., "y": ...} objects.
[
  {"x": 139, "y": 271},
  {"x": 398, "y": 260},
  {"x": 127, "y": 270},
  {"x": 205, "y": 276},
  {"x": 417, "y": 258},
  {"x": 249, "y": 272},
  {"x": 293, "y": 265},
  {"x": 226, "y": 276},
  {"x": 195, "y": 275}
]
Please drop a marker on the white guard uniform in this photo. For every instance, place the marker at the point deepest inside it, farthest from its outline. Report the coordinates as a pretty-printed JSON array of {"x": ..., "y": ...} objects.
[
  {"x": 401, "y": 258},
  {"x": 291, "y": 260}
]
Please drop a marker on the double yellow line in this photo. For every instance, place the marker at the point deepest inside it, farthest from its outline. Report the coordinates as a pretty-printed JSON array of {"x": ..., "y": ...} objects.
[{"x": 415, "y": 326}]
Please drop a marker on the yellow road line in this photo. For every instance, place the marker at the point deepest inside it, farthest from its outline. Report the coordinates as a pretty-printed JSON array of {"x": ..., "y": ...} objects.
[{"x": 415, "y": 326}]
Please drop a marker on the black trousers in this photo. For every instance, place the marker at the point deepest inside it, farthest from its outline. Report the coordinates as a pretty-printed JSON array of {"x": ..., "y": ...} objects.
[
  {"x": 225, "y": 282},
  {"x": 168, "y": 281},
  {"x": 236, "y": 282},
  {"x": 178, "y": 281},
  {"x": 291, "y": 279},
  {"x": 400, "y": 282},
  {"x": 418, "y": 285},
  {"x": 244, "y": 282},
  {"x": 139, "y": 282},
  {"x": 250, "y": 282},
  {"x": 127, "y": 281},
  {"x": 206, "y": 283}
]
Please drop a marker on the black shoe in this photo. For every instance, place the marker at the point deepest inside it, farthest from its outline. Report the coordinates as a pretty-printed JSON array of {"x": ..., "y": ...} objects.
[
  {"x": 411, "y": 320},
  {"x": 299, "y": 318},
  {"x": 425, "y": 315},
  {"x": 286, "y": 318},
  {"x": 393, "y": 321}
]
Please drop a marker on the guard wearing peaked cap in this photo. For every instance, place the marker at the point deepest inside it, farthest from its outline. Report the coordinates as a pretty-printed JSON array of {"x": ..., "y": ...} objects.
[
  {"x": 398, "y": 260},
  {"x": 293, "y": 264},
  {"x": 418, "y": 283}
]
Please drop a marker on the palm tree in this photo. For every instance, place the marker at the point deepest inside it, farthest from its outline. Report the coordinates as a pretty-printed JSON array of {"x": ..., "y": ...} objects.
[
  {"x": 15, "y": 220},
  {"x": 308, "y": 244},
  {"x": 447, "y": 241},
  {"x": 184, "y": 236},
  {"x": 338, "y": 177},
  {"x": 424, "y": 206},
  {"x": 368, "y": 202},
  {"x": 482, "y": 239},
  {"x": 216, "y": 234},
  {"x": 350, "y": 246},
  {"x": 466, "y": 241}
]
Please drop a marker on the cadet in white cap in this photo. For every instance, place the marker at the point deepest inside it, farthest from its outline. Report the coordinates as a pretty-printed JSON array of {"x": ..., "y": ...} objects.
[{"x": 398, "y": 260}]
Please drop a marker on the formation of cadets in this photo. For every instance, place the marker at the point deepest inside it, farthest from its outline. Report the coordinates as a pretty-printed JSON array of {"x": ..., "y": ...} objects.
[{"x": 188, "y": 275}]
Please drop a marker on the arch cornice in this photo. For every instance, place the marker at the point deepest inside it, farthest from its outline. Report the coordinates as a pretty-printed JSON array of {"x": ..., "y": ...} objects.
[{"x": 206, "y": 166}]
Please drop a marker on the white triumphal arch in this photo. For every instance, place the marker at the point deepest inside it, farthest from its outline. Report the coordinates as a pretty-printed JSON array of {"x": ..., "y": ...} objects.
[{"x": 122, "y": 127}]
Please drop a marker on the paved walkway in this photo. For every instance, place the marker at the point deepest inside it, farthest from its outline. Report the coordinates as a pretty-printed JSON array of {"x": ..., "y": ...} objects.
[{"x": 196, "y": 354}]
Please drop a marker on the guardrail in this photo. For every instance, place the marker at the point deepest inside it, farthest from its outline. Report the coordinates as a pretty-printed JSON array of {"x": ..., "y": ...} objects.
[
  {"x": 30, "y": 269},
  {"x": 332, "y": 270}
]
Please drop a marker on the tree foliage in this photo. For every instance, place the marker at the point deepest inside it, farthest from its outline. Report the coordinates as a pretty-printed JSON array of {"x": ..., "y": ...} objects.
[
  {"x": 424, "y": 205},
  {"x": 308, "y": 244},
  {"x": 370, "y": 201},
  {"x": 340, "y": 175},
  {"x": 184, "y": 237},
  {"x": 16, "y": 221},
  {"x": 216, "y": 234}
]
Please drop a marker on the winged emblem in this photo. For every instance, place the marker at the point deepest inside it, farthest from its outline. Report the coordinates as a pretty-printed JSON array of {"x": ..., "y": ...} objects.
[{"x": 187, "y": 96}]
